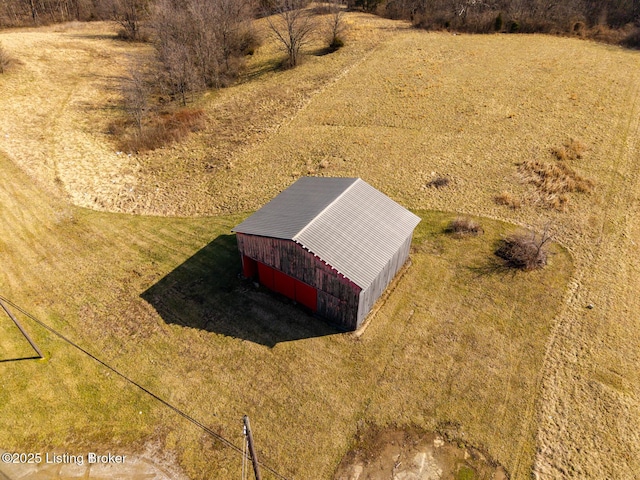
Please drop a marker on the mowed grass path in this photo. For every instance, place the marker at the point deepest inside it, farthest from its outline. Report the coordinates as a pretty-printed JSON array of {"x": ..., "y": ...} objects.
[{"x": 446, "y": 349}]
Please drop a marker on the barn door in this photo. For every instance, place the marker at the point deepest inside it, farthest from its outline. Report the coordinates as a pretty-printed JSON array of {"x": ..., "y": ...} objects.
[
  {"x": 306, "y": 295},
  {"x": 265, "y": 275},
  {"x": 249, "y": 267}
]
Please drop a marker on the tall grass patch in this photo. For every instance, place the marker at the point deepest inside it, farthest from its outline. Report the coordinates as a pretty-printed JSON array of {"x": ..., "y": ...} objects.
[
  {"x": 157, "y": 131},
  {"x": 464, "y": 226},
  {"x": 6, "y": 60},
  {"x": 553, "y": 181}
]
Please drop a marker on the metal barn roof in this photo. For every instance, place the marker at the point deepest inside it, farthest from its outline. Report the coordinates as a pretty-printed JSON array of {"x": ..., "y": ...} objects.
[{"x": 344, "y": 221}]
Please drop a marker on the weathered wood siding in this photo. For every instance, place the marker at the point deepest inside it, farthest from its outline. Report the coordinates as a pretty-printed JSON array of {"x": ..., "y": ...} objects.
[
  {"x": 338, "y": 297},
  {"x": 369, "y": 296}
]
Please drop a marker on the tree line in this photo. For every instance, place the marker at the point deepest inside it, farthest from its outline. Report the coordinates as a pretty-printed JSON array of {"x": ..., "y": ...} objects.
[{"x": 526, "y": 16}]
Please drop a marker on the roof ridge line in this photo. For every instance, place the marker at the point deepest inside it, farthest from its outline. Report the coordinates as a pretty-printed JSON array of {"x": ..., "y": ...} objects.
[{"x": 295, "y": 237}]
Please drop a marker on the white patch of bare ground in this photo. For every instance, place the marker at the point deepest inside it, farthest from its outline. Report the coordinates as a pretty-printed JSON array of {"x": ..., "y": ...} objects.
[{"x": 399, "y": 455}]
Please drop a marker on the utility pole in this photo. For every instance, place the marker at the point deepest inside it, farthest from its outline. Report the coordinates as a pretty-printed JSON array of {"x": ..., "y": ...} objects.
[{"x": 252, "y": 451}]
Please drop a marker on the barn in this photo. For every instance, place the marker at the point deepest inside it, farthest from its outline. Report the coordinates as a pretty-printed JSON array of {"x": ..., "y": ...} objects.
[{"x": 330, "y": 244}]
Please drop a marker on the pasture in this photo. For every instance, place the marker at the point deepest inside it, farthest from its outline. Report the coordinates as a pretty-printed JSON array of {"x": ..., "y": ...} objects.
[{"x": 132, "y": 258}]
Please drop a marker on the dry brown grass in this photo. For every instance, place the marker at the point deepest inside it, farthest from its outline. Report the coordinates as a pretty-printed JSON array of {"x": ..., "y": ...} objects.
[
  {"x": 605, "y": 34},
  {"x": 66, "y": 94},
  {"x": 572, "y": 150},
  {"x": 392, "y": 106},
  {"x": 222, "y": 349},
  {"x": 6, "y": 60},
  {"x": 554, "y": 180},
  {"x": 158, "y": 131},
  {"x": 508, "y": 199}
]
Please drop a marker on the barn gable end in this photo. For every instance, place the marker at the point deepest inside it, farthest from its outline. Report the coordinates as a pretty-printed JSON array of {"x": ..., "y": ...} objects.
[
  {"x": 337, "y": 297},
  {"x": 339, "y": 236}
]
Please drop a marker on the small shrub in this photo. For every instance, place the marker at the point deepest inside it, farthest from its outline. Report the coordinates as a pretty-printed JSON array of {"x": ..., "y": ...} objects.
[
  {"x": 438, "y": 182},
  {"x": 572, "y": 150},
  {"x": 606, "y": 34},
  {"x": 509, "y": 200},
  {"x": 369, "y": 6},
  {"x": 118, "y": 128},
  {"x": 6, "y": 60},
  {"x": 560, "y": 153},
  {"x": 579, "y": 28},
  {"x": 336, "y": 44},
  {"x": 129, "y": 35},
  {"x": 524, "y": 251},
  {"x": 513, "y": 26},
  {"x": 632, "y": 40},
  {"x": 577, "y": 148},
  {"x": 465, "y": 472},
  {"x": 248, "y": 42},
  {"x": 557, "y": 202},
  {"x": 499, "y": 22},
  {"x": 464, "y": 226}
]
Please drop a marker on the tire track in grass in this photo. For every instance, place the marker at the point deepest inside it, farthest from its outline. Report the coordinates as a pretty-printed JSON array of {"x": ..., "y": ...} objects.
[{"x": 586, "y": 428}]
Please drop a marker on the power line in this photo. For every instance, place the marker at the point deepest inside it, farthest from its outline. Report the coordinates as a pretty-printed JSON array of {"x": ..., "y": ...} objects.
[{"x": 188, "y": 417}]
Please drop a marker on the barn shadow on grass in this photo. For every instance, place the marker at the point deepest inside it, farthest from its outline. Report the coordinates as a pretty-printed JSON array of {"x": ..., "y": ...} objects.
[{"x": 206, "y": 292}]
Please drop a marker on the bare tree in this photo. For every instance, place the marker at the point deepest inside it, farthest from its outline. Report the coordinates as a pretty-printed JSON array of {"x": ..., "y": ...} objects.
[
  {"x": 182, "y": 77},
  {"x": 200, "y": 43},
  {"x": 174, "y": 41},
  {"x": 232, "y": 27},
  {"x": 525, "y": 251},
  {"x": 135, "y": 93},
  {"x": 292, "y": 24},
  {"x": 336, "y": 24},
  {"x": 34, "y": 11},
  {"x": 130, "y": 14}
]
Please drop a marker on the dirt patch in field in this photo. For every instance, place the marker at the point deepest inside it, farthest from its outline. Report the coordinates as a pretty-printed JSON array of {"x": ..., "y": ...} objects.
[{"x": 402, "y": 455}]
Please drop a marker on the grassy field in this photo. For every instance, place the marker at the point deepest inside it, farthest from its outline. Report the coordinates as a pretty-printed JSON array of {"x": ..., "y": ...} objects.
[
  {"x": 243, "y": 351},
  {"x": 514, "y": 364}
]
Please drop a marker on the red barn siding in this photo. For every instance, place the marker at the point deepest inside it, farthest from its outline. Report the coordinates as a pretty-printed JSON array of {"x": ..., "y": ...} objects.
[
  {"x": 284, "y": 284},
  {"x": 306, "y": 295},
  {"x": 343, "y": 312},
  {"x": 265, "y": 275},
  {"x": 337, "y": 297},
  {"x": 249, "y": 267}
]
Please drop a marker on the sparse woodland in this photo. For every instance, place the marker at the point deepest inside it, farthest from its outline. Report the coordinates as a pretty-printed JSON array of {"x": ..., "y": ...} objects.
[{"x": 607, "y": 20}]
